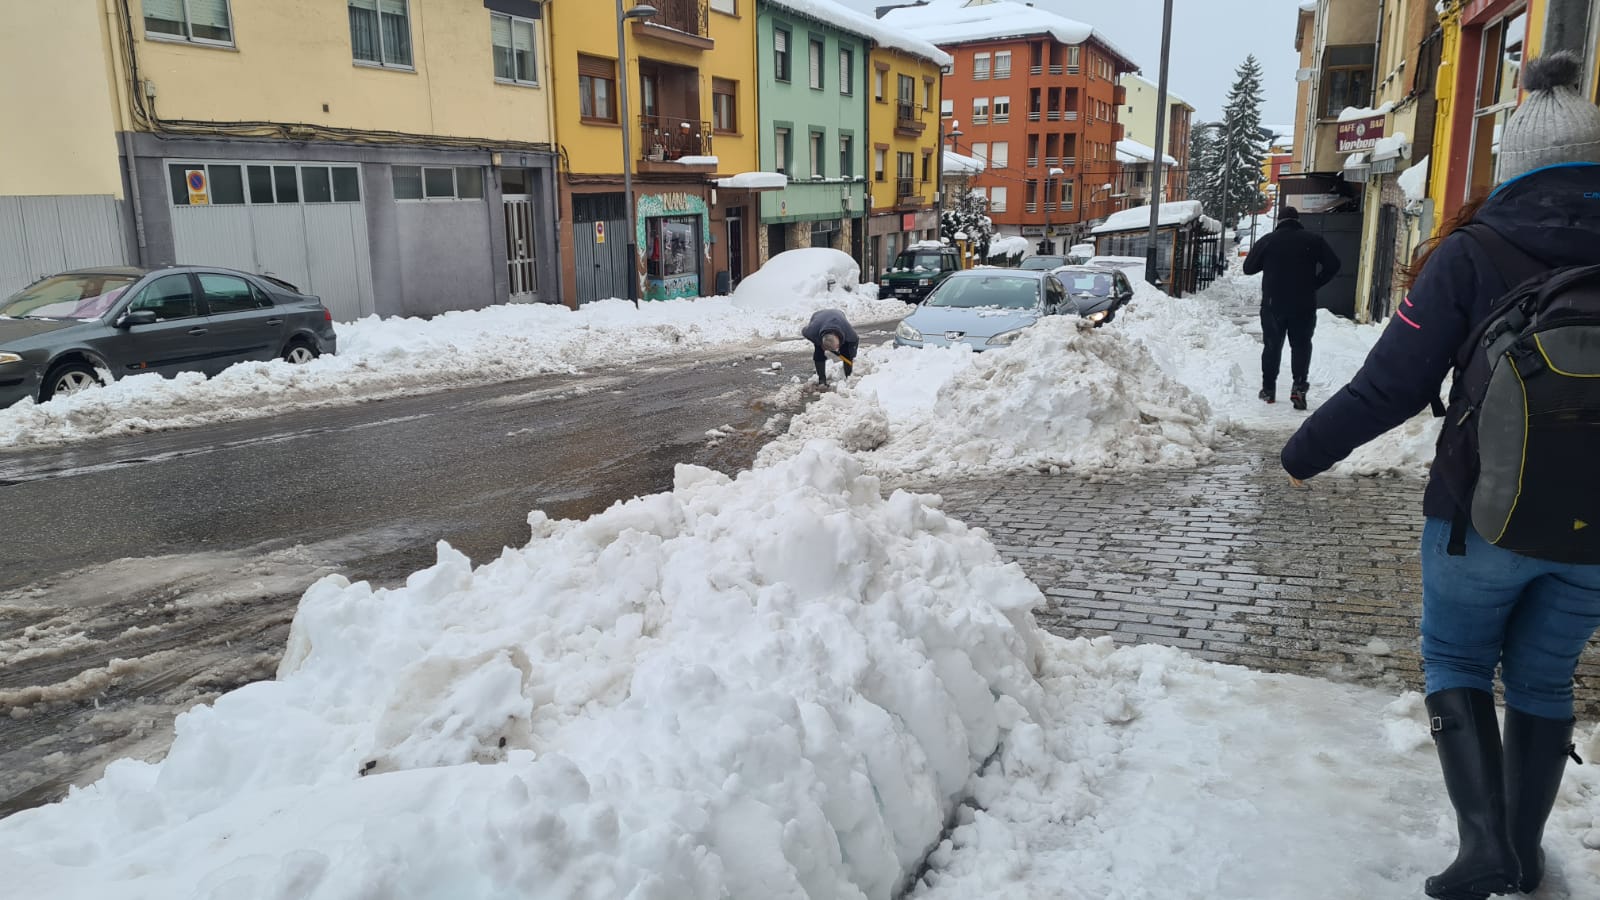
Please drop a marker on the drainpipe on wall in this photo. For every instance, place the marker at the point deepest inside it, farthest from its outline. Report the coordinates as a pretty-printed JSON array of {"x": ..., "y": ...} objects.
[{"x": 134, "y": 199}]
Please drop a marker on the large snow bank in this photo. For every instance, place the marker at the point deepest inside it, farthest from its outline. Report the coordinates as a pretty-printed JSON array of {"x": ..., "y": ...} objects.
[
  {"x": 1414, "y": 180},
  {"x": 1063, "y": 396},
  {"x": 777, "y": 686},
  {"x": 808, "y": 272},
  {"x": 946, "y": 22},
  {"x": 882, "y": 33},
  {"x": 397, "y": 356},
  {"x": 1173, "y": 212}
]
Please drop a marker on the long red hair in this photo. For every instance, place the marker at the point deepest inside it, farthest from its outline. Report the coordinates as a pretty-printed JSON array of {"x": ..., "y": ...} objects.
[{"x": 1464, "y": 217}]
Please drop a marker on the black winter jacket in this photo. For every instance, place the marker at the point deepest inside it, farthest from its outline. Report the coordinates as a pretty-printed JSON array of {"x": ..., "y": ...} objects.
[
  {"x": 1297, "y": 264},
  {"x": 826, "y": 320},
  {"x": 1553, "y": 215}
]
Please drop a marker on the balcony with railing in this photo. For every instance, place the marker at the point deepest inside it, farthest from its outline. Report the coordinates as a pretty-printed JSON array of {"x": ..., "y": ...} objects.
[
  {"x": 683, "y": 22},
  {"x": 1033, "y": 162},
  {"x": 908, "y": 118},
  {"x": 1031, "y": 207},
  {"x": 666, "y": 141},
  {"x": 1068, "y": 115},
  {"x": 905, "y": 190}
]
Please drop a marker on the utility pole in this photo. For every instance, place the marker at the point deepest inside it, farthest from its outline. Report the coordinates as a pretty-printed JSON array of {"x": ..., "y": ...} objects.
[{"x": 1152, "y": 272}]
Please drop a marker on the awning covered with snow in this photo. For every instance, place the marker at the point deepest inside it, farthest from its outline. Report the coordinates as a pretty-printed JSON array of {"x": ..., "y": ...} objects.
[
  {"x": 755, "y": 181},
  {"x": 1173, "y": 213}
]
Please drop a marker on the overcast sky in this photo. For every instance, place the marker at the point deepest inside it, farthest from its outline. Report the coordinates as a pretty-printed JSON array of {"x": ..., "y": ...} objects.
[{"x": 1209, "y": 40}]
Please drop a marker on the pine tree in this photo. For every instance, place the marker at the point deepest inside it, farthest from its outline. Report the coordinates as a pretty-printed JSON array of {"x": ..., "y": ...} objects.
[
  {"x": 968, "y": 214},
  {"x": 1231, "y": 152}
]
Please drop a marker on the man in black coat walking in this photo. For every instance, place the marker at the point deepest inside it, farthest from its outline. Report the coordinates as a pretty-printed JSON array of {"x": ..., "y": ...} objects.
[
  {"x": 1297, "y": 264},
  {"x": 830, "y": 332}
]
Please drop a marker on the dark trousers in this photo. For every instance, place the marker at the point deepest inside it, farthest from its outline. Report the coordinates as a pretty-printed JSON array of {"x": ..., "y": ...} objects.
[
  {"x": 847, "y": 350},
  {"x": 1297, "y": 326}
]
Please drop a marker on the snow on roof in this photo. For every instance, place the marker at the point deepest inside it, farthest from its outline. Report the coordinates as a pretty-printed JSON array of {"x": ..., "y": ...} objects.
[
  {"x": 879, "y": 32},
  {"x": 697, "y": 161},
  {"x": 1391, "y": 147},
  {"x": 927, "y": 245},
  {"x": 1355, "y": 113},
  {"x": 1356, "y": 160},
  {"x": 1309, "y": 5},
  {"x": 1414, "y": 181},
  {"x": 946, "y": 22},
  {"x": 1010, "y": 245},
  {"x": 956, "y": 162},
  {"x": 1176, "y": 212},
  {"x": 1172, "y": 96},
  {"x": 755, "y": 181},
  {"x": 1133, "y": 151}
]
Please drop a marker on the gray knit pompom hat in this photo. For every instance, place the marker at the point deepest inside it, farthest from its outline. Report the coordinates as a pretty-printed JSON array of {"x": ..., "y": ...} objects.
[{"x": 1554, "y": 124}]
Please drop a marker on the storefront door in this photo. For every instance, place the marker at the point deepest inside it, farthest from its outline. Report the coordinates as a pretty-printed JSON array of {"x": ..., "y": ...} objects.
[{"x": 673, "y": 257}]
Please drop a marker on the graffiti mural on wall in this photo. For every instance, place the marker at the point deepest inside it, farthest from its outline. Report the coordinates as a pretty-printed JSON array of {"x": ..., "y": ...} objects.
[{"x": 671, "y": 235}]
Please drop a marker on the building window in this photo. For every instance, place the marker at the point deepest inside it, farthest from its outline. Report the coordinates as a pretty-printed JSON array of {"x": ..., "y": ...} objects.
[
  {"x": 880, "y": 160},
  {"x": 980, "y": 111},
  {"x": 1345, "y": 87},
  {"x": 1002, "y": 109},
  {"x": 1002, "y": 64},
  {"x": 780, "y": 53},
  {"x": 1283, "y": 169},
  {"x": 1073, "y": 54},
  {"x": 927, "y": 167},
  {"x": 380, "y": 32},
  {"x": 437, "y": 182},
  {"x": 880, "y": 82},
  {"x": 513, "y": 49},
  {"x": 847, "y": 165},
  {"x": 997, "y": 199},
  {"x": 847, "y": 71},
  {"x": 201, "y": 21},
  {"x": 818, "y": 170},
  {"x": 908, "y": 94},
  {"x": 1499, "y": 83},
  {"x": 980, "y": 151},
  {"x": 998, "y": 154},
  {"x": 729, "y": 7},
  {"x": 905, "y": 175},
  {"x": 780, "y": 149},
  {"x": 815, "y": 47},
  {"x": 597, "y": 85},
  {"x": 724, "y": 105},
  {"x": 980, "y": 67},
  {"x": 947, "y": 109}
]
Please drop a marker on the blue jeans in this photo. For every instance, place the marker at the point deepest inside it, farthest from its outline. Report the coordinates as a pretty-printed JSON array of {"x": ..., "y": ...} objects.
[{"x": 1491, "y": 606}]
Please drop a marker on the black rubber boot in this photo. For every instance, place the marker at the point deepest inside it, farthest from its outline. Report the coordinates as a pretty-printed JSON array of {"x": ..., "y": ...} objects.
[
  {"x": 1297, "y": 395},
  {"x": 1536, "y": 751},
  {"x": 1467, "y": 737},
  {"x": 1269, "y": 394}
]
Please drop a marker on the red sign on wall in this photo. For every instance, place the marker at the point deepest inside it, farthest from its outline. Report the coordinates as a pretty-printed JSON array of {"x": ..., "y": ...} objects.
[
  {"x": 1361, "y": 134},
  {"x": 908, "y": 221}
]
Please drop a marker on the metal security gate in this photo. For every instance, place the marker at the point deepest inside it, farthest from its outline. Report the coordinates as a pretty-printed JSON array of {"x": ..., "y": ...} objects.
[
  {"x": 600, "y": 246},
  {"x": 43, "y": 235},
  {"x": 305, "y": 224},
  {"x": 1383, "y": 264},
  {"x": 522, "y": 274}
]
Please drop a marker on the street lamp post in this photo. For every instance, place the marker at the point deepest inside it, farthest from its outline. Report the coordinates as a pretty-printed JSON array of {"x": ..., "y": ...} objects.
[
  {"x": 642, "y": 11},
  {"x": 1158, "y": 194}
]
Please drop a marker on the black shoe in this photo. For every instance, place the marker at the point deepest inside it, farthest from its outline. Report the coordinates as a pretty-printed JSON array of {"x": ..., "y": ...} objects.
[
  {"x": 1468, "y": 740},
  {"x": 1297, "y": 395},
  {"x": 1268, "y": 394},
  {"x": 1536, "y": 751}
]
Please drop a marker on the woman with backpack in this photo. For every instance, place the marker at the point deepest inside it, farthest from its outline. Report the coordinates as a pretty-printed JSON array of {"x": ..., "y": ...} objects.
[{"x": 1510, "y": 559}]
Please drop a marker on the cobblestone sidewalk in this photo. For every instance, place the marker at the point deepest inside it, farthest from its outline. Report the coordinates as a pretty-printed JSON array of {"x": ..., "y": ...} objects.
[{"x": 1229, "y": 563}]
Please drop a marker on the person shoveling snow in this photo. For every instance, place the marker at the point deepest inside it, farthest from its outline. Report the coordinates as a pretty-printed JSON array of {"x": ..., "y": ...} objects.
[{"x": 830, "y": 332}]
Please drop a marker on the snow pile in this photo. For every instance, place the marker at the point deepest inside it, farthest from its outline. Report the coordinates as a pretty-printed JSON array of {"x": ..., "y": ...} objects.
[
  {"x": 755, "y": 181},
  {"x": 946, "y": 22},
  {"x": 1414, "y": 180},
  {"x": 1063, "y": 396},
  {"x": 398, "y": 356},
  {"x": 1152, "y": 774},
  {"x": 883, "y": 33},
  {"x": 808, "y": 272},
  {"x": 778, "y": 686},
  {"x": 1173, "y": 212}
]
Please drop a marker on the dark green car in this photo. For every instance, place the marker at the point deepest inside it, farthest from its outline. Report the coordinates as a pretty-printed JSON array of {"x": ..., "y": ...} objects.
[{"x": 918, "y": 270}]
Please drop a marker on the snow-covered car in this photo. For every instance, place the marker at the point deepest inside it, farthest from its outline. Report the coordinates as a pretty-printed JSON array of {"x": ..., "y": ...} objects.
[
  {"x": 984, "y": 309},
  {"x": 1079, "y": 254},
  {"x": 69, "y": 332},
  {"x": 917, "y": 270},
  {"x": 1097, "y": 292}
]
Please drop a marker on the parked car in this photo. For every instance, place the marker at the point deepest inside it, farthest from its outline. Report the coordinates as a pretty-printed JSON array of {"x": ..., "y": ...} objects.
[
  {"x": 1080, "y": 254},
  {"x": 918, "y": 269},
  {"x": 1044, "y": 263},
  {"x": 983, "y": 308},
  {"x": 1097, "y": 292},
  {"x": 67, "y": 332}
]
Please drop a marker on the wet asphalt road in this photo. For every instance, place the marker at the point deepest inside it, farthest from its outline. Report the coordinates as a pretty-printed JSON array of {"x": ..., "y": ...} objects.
[{"x": 139, "y": 575}]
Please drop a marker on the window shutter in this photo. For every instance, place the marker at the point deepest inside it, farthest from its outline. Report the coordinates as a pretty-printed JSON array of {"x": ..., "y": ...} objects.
[
  {"x": 780, "y": 41},
  {"x": 168, "y": 10},
  {"x": 209, "y": 14},
  {"x": 816, "y": 65},
  {"x": 522, "y": 37},
  {"x": 500, "y": 31},
  {"x": 393, "y": 7},
  {"x": 844, "y": 71},
  {"x": 596, "y": 67}
]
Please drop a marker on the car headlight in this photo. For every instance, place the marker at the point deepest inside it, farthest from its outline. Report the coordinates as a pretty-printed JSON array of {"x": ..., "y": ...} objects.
[
  {"x": 7, "y": 358},
  {"x": 1097, "y": 316},
  {"x": 1004, "y": 339},
  {"x": 924, "y": 282},
  {"x": 907, "y": 333}
]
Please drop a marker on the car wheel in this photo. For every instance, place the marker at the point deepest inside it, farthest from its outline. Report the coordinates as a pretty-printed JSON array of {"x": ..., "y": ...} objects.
[
  {"x": 299, "y": 353},
  {"x": 66, "y": 380}
]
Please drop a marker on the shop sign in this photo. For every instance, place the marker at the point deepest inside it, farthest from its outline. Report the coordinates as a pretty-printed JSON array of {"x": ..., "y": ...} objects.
[
  {"x": 676, "y": 202},
  {"x": 908, "y": 221},
  {"x": 1362, "y": 134}
]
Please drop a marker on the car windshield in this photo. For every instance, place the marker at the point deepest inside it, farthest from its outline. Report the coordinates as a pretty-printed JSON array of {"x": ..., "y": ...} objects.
[
  {"x": 1043, "y": 263},
  {"x": 991, "y": 291},
  {"x": 82, "y": 296},
  {"x": 1079, "y": 283},
  {"x": 918, "y": 260}
]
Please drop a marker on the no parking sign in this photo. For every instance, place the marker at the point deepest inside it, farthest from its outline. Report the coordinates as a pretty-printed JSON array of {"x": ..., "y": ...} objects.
[
  {"x": 196, "y": 181},
  {"x": 599, "y": 232}
]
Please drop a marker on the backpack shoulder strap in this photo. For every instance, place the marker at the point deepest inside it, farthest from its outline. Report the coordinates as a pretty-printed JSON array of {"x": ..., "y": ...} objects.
[{"x": 1509, "y": 260}]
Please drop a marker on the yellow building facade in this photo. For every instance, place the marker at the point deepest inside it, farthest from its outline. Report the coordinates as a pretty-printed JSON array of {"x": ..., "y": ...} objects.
[
  {"x": 902, "y": 212},
  {"x": 690, "y": 77},
  {"x": 392, "y": 156}
]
